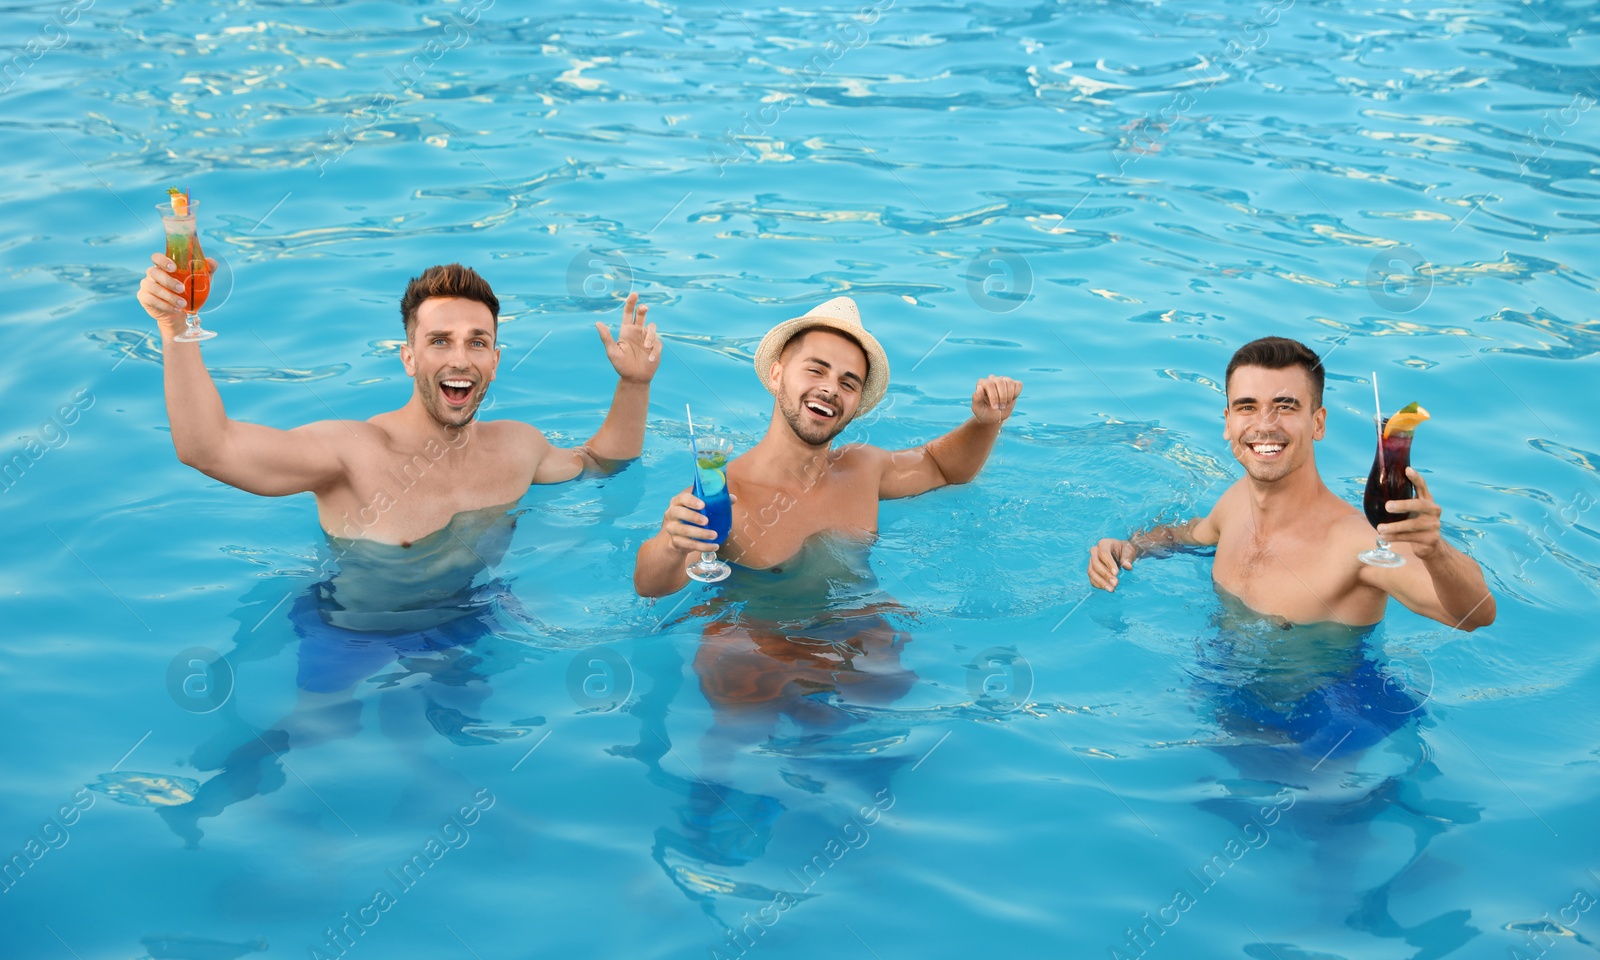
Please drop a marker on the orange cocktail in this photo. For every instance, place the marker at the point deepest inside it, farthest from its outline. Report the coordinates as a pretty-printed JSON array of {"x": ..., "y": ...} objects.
[{"x": 192, "y": 270}]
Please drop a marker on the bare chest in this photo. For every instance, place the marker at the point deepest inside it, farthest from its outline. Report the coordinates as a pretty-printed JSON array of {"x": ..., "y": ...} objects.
[
  {"x": 399, "y": 497},
  {"x": 1298, "y": 577},
  {"x": 771, "y": 524}
]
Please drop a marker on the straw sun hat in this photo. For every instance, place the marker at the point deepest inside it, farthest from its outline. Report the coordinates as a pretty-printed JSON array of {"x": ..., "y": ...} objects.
[{"x": 838, "y": 314}]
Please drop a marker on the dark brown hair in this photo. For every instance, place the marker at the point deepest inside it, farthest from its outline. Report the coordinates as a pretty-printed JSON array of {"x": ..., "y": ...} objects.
[
  {"x": 449, "y": 280},
  {"x": 1279, "y": 353}
]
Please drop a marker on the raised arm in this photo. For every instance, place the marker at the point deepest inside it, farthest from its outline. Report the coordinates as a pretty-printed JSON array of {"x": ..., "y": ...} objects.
[
  {"x": 635, "y": 353},
  {"x": 1446, "y": 585},
  {"x": 957, "y": 456},
  {"x": 249, "y": 456},
  {"x": 1111, "y": 556}
]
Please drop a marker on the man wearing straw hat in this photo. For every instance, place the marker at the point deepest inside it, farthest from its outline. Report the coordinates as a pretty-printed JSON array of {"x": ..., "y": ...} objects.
[{"x": 824, "y": 369}]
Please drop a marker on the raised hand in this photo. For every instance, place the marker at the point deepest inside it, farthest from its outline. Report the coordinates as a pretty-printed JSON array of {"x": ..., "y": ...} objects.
[
  {"x": 161, "y": 294},
  {"x": 635, "y": 352},
  {"x": 994, "y": 398},
  {"x": 1421, "y": 528}
]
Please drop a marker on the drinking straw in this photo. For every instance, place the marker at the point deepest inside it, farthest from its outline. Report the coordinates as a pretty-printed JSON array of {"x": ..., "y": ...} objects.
[
  {"x": 1378, "y": 419},
  {"x": 693, "y": 452}
]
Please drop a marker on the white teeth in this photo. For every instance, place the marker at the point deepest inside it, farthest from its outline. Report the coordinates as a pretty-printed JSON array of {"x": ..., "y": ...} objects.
[
  {"x": 1266, "y": 448},
  {"x": 463, "y": 384},
  {"x": 820, "y": 408}
]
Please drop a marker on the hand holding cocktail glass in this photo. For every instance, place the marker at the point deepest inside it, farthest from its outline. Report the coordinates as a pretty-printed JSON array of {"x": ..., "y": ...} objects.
[
  {"x": 1421, "y": 528},
  {"x": 177, "y": 286},
  {"x": 1392, "y": 486},
  {"x": 700, "y": 519}
]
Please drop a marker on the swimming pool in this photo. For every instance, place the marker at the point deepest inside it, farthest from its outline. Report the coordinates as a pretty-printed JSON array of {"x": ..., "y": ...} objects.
[{"x": 1103, "y": 200}]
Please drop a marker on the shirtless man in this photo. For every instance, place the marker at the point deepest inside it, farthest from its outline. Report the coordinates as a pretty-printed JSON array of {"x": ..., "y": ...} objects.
[
  {"x": 1286, "y": 545},
  {"x": 403, "y": 474},
  {"x": 824, "y": 370}
]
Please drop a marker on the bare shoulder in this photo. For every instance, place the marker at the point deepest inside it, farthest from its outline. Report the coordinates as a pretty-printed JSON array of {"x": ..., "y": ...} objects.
[
  {"x": 1346, "y": 524},
  {"x": 862, "y": 457},
  {"x": 1230, "y": 505},
  {"x": 511, "y": 432},
  {"x": 859, "y": 453},
  {"x": 362, "y": 433}
]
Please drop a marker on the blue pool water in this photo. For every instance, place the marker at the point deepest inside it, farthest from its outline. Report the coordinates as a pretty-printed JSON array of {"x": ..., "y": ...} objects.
[{"x": 960, "y": 751}]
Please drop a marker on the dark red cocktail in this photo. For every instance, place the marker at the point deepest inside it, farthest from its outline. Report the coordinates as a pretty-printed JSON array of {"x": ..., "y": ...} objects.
[{"x": 1388, "y": 480}]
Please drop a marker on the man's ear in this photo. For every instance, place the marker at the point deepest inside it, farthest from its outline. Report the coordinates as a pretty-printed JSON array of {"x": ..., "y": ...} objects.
[
  {"x": 408, "y": 358},
  {"x": 1319, "y": 423},
  {"x": 1227, "y": 429},
  {"x": 775, "y": 374}
]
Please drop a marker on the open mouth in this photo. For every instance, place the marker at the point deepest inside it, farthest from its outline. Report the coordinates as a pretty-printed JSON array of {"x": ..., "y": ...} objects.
[
  {"x": 456, "y": 392},
  {"x": 821, "y": 409},
  {"x": 1266, "y": 450}
]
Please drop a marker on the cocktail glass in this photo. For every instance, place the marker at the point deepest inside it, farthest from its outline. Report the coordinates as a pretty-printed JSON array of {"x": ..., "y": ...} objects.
[
  {"x": 1387, "y": 481},
  {"x": 183, "y": 249},
  {"x": 711, "y": 486}
]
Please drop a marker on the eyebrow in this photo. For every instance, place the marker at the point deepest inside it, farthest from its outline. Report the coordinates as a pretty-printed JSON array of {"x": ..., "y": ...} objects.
[
  {"x": 1283, "y": 398},
  {"x": 847, "y": 375},
  {"x": 475, "y": 332}
]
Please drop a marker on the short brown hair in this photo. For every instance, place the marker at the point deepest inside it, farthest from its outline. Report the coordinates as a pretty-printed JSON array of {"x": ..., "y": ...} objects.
[
  {"x": 449, "y": 280},
  {"x": 1279, "y": 353},
  {"x": 825, "y": 328}
]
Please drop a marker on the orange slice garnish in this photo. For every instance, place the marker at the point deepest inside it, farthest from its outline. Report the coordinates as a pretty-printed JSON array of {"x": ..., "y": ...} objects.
[{"x": 1405, "y": 421}]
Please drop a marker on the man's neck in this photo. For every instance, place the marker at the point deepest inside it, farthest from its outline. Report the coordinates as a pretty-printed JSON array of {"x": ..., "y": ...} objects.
[
  {"x": 781, "y": 458},
  {"x": 413, "y": 426},
  {"x": 1280, "y": 503}
]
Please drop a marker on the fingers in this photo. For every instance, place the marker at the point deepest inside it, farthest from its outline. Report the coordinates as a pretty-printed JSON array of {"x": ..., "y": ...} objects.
[
  {"x": 605, "y": 334},
  {"x": 1414, "y": 528},
  {"x": 628, "y": 310},
  {"x": 685, "y": 525},
  {"x": 1421, "y": 484},
  {"x": 1105, "y": 558},
  {"x": 160, "y": 292},
  {"x": 651, "y": 342},
  {"x": 1417, "y": 506},
  {"x": 998, "y": 393}
]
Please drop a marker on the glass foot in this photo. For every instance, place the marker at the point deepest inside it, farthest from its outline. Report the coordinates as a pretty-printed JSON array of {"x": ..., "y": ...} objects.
[
  {"x": 192, "y": 332},
  {"x": 708, "y": 569},
  {"x": 1381, "y": 556}
]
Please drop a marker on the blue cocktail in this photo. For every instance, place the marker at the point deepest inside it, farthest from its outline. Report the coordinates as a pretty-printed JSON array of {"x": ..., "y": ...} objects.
[{"x": 711, "y": 487}]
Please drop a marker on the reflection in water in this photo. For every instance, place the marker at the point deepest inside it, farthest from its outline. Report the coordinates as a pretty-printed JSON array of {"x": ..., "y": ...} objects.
[
  {"x": 790, "y": 781},
  {"x": 422, "y": 610},
  {"x": 1316, "y": 724}
]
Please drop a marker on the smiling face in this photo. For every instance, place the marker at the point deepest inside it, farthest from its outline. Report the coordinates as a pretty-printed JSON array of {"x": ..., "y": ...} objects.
[
  {"x": 1271, "y": 421},
  {"x": 818, "y": 380},
  {"x": 452, "y": 357}
]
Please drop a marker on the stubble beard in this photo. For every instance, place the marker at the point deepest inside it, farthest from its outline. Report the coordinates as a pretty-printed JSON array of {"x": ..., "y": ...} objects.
[{"x": 792, "y": 416}]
